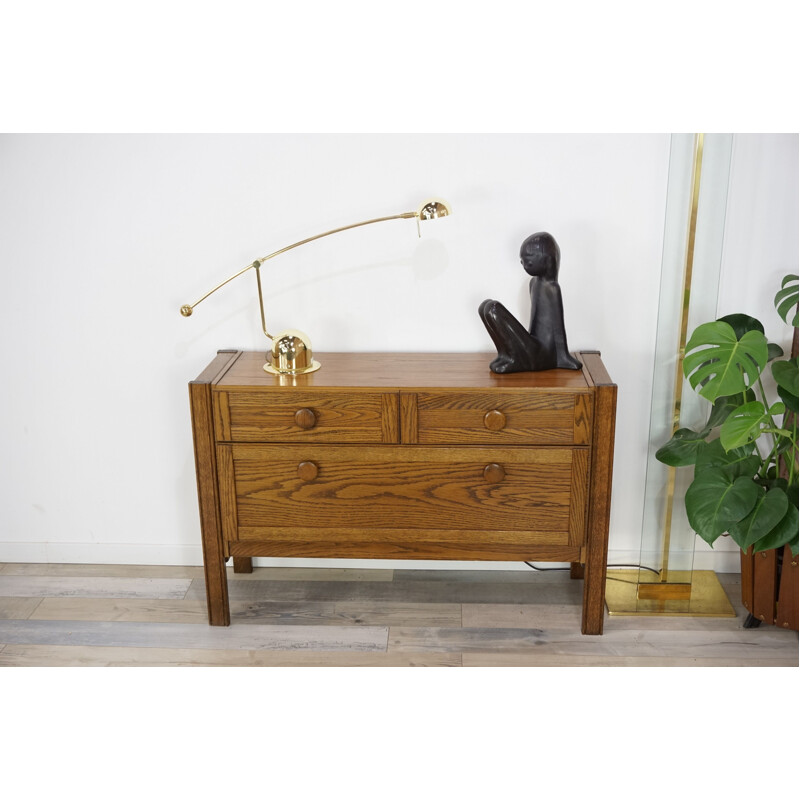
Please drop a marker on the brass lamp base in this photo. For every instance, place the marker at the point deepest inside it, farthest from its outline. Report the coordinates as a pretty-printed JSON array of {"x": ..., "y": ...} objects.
[
  {"x": 314, "y": 366},
  {"x": 291, "y": 354},
  {"x": 689, "y": 594}
]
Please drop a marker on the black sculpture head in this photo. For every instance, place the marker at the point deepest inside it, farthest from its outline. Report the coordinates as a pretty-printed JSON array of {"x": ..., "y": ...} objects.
[{"x": 540, "y": 256}]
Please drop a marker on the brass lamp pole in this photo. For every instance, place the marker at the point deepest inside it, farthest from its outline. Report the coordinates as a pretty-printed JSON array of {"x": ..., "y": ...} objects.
[{"x": 291, "y": 349}]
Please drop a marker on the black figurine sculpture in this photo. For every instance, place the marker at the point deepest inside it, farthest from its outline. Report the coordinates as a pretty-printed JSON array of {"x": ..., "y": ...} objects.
[{"x": 544, "y": 346}]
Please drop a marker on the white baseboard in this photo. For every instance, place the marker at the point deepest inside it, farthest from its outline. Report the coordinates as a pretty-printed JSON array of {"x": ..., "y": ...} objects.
[
  {"x": 96, "y": 553},
  {"x": 192, "y": 555}
]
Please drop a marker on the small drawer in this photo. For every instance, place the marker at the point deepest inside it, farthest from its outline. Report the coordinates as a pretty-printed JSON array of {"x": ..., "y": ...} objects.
[
  {"x": 497, "y": 418},
  {"x": 294, "y": 416}
]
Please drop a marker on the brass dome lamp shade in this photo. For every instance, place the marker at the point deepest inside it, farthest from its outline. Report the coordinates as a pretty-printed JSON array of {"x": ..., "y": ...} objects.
[{"x": 291, "y": 352}]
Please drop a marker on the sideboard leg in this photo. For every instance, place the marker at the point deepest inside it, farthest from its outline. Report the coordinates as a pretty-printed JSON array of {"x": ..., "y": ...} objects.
[
  {"x": 576, "y": 570},
  {"x": 242, "y": 564},
  {"x": 207, "y": 494},
  {"x": 594, "y": 587}
]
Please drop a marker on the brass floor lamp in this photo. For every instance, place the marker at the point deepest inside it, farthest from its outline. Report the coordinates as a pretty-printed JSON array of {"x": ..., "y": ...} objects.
[{"x": 665, "y": 589}]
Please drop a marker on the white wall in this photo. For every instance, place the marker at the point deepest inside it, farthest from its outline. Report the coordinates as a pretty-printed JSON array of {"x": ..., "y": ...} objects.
[
  {"x": 102, "y": 238},
  {"x": 761, "y": 228}
]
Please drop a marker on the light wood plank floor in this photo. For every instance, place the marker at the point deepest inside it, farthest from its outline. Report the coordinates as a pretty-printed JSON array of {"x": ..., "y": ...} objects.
[{"x": 96, "y": 615}]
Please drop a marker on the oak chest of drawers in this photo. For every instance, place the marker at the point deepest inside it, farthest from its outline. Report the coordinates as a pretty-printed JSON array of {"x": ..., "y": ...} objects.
[{"x": 404, "y": 456}]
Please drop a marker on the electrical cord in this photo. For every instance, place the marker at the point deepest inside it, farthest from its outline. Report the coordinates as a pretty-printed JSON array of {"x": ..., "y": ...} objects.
[
  {"x": 612, "y": 566},
  {"x": 634, "y": 566}
]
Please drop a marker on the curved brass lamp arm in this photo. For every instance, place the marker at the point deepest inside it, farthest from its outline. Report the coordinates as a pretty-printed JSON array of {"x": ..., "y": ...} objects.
[
  {"x": 407, "y": 215},
  {"x": 187, "y": 310}
]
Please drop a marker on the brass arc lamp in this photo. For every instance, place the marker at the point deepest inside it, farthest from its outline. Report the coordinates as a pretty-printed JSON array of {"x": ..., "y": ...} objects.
[{"x": 291, "y": 352}]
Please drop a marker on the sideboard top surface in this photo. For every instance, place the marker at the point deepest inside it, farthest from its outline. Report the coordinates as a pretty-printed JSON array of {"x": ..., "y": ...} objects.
[{"x": 398, "y": 371}]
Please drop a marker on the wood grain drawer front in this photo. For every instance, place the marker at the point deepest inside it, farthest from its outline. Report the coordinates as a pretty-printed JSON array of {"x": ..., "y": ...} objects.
[
  {"x": 294, "y": 416},
  {"x": 468, "y": 494},
  {"x": 497, "y": 418}
]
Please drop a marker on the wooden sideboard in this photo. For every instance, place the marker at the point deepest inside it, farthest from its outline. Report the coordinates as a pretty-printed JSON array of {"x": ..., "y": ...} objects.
[{"x": 404, "y": 456}]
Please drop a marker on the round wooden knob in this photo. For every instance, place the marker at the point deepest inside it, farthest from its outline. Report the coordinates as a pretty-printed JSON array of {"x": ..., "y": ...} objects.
[
  {"x": 307, "y": 470},
  {"x": 493, "y": 473},
  {"x": 495, "y": 420},
  {"x": 305, "y": 418}
]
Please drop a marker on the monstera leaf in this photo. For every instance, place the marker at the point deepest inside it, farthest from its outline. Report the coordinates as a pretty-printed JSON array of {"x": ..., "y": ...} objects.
[
  {"x": 723, "y": 406},
  {"x": 787, "y": 298},
  {"x": 785, "y": 532},
  {"x": 770, "y": 509},
  {"x": 744, "y": 425},
  {"x": 719, "y": 364},
  {"x": 785, "y": 374},
  {"x": 716, "y": 500},
  {"x": 681, "y": 450},
  {"x": 774, "y": 351},
  {"x": 742, "y": 323},
  {"x": 740, "y": 461}
]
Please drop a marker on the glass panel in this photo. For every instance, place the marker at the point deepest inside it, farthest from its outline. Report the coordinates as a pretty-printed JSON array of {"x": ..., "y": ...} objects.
[{"x": 694, "y": 229}]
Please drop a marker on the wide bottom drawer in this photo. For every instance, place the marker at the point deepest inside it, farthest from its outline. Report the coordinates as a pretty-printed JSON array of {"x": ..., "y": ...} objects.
[{"x": 396, "y": 496}]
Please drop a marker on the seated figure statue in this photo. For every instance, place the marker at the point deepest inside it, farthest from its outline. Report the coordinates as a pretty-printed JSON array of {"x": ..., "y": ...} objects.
[{"x": 544, "y": 345}]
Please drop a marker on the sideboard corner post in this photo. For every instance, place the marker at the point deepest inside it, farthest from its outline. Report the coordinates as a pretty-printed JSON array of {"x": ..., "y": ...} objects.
[
  {"x": 599, "y": 510},
  {"x": 214, "y": 559}
]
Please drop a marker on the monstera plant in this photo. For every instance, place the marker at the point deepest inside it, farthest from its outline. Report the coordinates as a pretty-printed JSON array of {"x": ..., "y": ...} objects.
[{"x": 745, "y": 457}]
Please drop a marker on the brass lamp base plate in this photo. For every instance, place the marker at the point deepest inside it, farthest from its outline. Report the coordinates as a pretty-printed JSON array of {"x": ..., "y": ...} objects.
[
  {"x": 689, "y": 594},
  {"x": 315, "y": 365}
]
